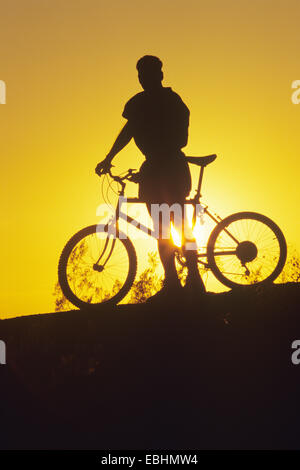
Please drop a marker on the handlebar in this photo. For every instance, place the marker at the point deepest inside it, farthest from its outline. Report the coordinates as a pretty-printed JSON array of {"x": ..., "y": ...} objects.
[{"x": 131, "y": 175}]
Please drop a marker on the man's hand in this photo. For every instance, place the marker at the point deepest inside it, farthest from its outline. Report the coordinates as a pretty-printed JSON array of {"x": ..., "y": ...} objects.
[{"x": 103, "y": 167}]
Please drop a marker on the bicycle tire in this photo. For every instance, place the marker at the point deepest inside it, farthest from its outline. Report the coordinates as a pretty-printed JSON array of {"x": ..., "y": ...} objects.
[
  {"x": 69, "y": 248},
  {"x": 224, "y": 224}
]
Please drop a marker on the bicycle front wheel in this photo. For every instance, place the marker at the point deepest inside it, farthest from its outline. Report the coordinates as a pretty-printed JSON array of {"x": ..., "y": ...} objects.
[
  {"x": 246, "y": 248},
  {"x": 96, "y": 267}
]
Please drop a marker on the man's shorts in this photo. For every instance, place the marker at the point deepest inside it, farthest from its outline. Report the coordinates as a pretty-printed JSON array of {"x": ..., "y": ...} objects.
[{"x": 165, "y": 180}]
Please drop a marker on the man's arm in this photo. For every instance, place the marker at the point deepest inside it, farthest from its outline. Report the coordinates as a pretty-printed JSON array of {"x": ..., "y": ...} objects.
[{"x": 121, "y": 141}]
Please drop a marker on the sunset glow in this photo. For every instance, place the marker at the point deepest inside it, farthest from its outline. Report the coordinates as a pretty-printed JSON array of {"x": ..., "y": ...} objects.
[
  {"x": 69, "y": 68},
  {"x": 175, "y": 236}
]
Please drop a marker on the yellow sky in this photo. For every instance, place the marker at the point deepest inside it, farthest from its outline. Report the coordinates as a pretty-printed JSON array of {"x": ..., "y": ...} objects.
[{"x": 69, "y": 68}]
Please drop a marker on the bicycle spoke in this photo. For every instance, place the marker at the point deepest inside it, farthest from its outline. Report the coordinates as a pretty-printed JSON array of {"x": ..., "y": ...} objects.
[
  {"x": 256, "y": 256},
  {"x": 88, "y": 284}
]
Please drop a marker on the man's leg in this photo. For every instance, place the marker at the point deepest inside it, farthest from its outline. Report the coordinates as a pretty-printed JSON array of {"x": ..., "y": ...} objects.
[
  {"x": 167, "y": 256},
  {"x": 166, "y": 252},
  {"x": 194, "y": 279}
]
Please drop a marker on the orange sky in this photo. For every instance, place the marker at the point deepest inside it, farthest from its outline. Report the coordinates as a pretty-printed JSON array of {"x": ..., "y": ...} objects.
[{"x": 69, "y": 68}]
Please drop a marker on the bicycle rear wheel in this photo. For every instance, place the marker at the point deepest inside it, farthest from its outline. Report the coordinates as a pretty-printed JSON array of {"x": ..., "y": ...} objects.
[
  {"x": 96, "y": 268},
  {"x": 246, "y": 248}
]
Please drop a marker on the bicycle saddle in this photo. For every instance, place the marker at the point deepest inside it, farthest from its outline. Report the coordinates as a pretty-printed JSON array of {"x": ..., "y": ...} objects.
[{"x": 202, "y": 161}]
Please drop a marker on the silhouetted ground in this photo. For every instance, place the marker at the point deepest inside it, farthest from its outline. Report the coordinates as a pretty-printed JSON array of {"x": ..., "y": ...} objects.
[{"x": 215, "y": 374}]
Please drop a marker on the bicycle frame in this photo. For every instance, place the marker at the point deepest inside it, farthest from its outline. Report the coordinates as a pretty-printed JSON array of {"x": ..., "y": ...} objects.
[{"x": 119, "y": 214}]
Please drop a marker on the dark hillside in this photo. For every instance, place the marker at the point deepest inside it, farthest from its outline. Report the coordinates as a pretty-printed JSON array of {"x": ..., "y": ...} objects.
[{"x": 215, "y": 374}]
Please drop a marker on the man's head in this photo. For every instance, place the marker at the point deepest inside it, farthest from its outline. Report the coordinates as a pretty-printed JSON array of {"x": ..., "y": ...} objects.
[{"x": 149, "y": 71}]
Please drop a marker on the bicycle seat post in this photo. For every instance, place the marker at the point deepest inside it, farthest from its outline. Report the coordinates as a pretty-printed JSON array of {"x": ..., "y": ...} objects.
[{"x": 198, "y": 193}]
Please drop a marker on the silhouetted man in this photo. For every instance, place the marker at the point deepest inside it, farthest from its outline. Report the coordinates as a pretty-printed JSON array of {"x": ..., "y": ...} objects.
[{"x": 158, "y": 121}]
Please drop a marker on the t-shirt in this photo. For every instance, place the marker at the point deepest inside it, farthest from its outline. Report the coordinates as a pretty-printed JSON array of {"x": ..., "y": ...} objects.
[{"x": 159, "y": 122}]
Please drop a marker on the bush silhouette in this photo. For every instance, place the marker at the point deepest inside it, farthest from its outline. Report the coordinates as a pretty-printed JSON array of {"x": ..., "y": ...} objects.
[
  {"x": 291, "y": 271},
  {"x": 148, "y": 283},
  {"x": 146, "y": 286}
]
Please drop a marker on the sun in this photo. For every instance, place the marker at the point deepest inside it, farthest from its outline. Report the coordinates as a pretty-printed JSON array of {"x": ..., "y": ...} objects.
[{"x": 199, "y": 231}]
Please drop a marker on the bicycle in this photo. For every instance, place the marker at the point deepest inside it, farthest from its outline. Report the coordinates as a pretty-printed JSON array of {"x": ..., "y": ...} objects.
[{"x": 98, "y": 265}]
